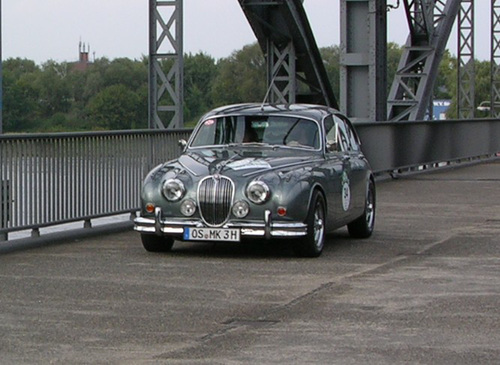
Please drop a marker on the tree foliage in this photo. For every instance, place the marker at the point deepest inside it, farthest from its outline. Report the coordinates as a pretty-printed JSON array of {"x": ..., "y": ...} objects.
[
  {"x": 240, "y": 77},
  {"x": 113, "y": 94}
]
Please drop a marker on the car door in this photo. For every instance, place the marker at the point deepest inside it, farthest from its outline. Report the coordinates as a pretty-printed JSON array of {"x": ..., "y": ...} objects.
[
  {"x": 336, "y": 166},
  {"x": 354, "y": 184}
]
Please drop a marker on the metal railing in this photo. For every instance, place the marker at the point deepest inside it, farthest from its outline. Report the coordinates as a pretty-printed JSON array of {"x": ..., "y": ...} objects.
[
  {"x": 391, "y": 146},
  {"x": 48, "y": 180},
  {"x": 54, "y": 179}
]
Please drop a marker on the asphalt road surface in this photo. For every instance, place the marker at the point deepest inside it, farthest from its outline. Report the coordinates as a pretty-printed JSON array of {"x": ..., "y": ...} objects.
[{"x": 425, "y": 289}]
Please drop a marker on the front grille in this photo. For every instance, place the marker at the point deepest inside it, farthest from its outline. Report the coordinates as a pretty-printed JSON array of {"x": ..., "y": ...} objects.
[{"x": 215, "y": 199}]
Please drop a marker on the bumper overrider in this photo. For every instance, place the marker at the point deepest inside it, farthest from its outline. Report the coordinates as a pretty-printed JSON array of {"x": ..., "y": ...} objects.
[{"x": 176, "y": 226}]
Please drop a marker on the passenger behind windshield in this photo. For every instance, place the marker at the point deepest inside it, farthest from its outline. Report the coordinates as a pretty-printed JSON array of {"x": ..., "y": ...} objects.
[{"x": 279, "y": 131}]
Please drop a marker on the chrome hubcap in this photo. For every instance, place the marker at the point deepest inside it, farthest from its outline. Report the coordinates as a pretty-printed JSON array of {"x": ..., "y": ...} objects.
[
  {"x": 370, "y": 209},
  {"x": 319, "y": 226}
]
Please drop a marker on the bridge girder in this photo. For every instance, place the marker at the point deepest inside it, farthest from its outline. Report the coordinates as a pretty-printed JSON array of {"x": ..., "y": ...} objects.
[
  {"x": 466, "y": 66},
  {"x": 363, "y": 61},
  {"x": 430, "y": 23},
  {"x": 166, "y": 64},
  {"x": 495, "y": 59},
  {"x": 295, "y": 70}
]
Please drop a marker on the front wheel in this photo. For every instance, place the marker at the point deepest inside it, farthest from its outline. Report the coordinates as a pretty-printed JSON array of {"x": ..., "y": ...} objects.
[
  {"x": 312, "y": 244},
  {"x": 154, "y": 243},
  {"x": 364, "y": 225}
]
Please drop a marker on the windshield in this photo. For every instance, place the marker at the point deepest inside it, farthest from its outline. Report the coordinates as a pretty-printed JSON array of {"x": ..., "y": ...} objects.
[{"x": 278, "y": 131}]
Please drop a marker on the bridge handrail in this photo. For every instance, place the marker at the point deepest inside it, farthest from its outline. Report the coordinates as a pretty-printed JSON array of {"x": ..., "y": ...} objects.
[{"x": 52, "y": 179}]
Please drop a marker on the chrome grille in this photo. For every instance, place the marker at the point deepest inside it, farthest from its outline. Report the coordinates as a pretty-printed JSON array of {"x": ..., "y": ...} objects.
[{"x": 215, "y": 198}]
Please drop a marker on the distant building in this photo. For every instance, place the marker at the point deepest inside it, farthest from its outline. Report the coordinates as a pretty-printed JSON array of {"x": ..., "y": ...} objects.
[
  {"x": 83, "y": 57},
  {"x": 440, "y": 107}
]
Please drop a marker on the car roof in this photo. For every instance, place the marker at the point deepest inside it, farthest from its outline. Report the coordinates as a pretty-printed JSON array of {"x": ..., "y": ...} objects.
[{"x": 316, "y": 112}]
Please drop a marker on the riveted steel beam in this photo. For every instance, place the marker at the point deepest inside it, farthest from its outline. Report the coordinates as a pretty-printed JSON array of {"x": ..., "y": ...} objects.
[
  {"x": 166, "y": 64},
  {"x": 281, "y": 73},
  {"x": 430, "y": 22},
  {"x": 466, "y": 69},
  {"x": 363, "y": 60},
  {"x": 295, "y": 69},
  {"x": 495, "y": 59},
  {"x": 1, "y": 73}
]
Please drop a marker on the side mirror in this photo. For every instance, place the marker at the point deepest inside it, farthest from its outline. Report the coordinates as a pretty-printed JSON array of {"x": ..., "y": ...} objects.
[{"x": 183, "y": 144}]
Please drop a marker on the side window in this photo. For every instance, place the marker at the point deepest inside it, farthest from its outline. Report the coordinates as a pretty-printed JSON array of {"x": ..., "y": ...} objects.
[
  {"x": 329, "y": 129},
  {"x": 344, "y": 141},
  {"x": 331, "y": 134},
  {"x": 351, "y": 134}
]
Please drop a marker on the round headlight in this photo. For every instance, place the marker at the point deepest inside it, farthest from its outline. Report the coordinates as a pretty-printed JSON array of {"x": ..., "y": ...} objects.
[
  {"x": 188, "y": 207},
  {"x": 241, "y": 209},
  {"x": 258, "y": 192},
  {"x": 173, "y": 190}
]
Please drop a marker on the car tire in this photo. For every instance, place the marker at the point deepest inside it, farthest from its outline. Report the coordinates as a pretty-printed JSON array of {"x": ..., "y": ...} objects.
[
  {"x": 364, "y": 225},
  {"x": 153, "y": 243},
  {"x": 312, "y": 244}
]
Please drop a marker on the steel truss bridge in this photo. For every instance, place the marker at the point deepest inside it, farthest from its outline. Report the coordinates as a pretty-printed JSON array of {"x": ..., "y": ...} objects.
[
  {"x": 48, "y": 180},
  {"x": 295, "y": 70}
]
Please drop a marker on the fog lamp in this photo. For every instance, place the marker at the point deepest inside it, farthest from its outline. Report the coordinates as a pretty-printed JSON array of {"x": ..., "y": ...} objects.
[
  {"x": 241, "y": 209},
  {"x": 188, "y": 207}
]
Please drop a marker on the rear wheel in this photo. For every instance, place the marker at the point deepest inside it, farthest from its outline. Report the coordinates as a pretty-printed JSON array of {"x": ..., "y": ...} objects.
[
  {"x": 154, "y": 243},
  {"x": 364, "y": 225},
  {"x": 312, "y": 244}
]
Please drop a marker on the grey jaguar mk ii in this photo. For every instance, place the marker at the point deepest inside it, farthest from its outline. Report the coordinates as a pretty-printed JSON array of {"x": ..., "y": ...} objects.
[{"x": 261, "y": 171}]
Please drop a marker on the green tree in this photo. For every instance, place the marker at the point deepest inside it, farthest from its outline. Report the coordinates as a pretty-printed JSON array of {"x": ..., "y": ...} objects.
[
  {"x": 241, "y": 77},
  {"x": 116, "y": 108},
  {"x": 331, "y": 60},
  {"x": 94, "y": 78},
  {"x": 132, "y": 74},
  {"x": 482, "y": 86},
  {"x": 20, "y": 98},
  {"x": 53, "y": 89},
  {"x": 199, "y": 72},
  {"x": 444, "y": 87},
  {"x": 113, "y": 94}
]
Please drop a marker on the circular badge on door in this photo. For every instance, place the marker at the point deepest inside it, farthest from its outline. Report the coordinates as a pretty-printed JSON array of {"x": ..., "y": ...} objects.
[{"x": 346, "y": 192}]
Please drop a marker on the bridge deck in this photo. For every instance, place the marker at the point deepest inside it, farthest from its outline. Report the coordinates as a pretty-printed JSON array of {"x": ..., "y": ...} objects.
[{"x": 424, "y": 289}]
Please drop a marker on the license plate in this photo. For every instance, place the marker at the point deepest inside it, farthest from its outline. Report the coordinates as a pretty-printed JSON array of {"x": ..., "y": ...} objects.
[{"x": 211, "y": 234}]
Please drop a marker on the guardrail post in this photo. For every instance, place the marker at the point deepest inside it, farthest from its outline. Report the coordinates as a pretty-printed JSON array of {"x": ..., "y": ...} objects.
[
  {"x": 35, "y": 233},
  {"x": 4, "y": 207}
]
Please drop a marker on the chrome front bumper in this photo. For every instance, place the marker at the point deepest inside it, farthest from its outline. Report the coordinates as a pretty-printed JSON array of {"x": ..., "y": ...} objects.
[{"x": 265, "y": 229}]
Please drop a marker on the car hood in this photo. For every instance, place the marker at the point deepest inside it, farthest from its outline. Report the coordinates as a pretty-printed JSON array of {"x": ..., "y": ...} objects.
[{"x": 238, "y": 162}]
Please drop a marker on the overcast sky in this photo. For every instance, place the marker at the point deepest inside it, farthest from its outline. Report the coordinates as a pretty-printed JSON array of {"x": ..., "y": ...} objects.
[{"x": 52, "y": 29}]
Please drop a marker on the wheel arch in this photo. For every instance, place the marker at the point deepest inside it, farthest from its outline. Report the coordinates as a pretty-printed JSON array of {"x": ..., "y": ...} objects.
[{"x": 321, "y": 190}]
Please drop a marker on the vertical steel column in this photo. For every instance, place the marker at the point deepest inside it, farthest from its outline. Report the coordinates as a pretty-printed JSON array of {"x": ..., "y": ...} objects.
[
  {"x": 1, "y": 73},
  {"x": 466, "y": 69},
  {"x": 363, "y": 62},
  {"x": 166, "y": 64},
  {"x": 495, "y": 59}
]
